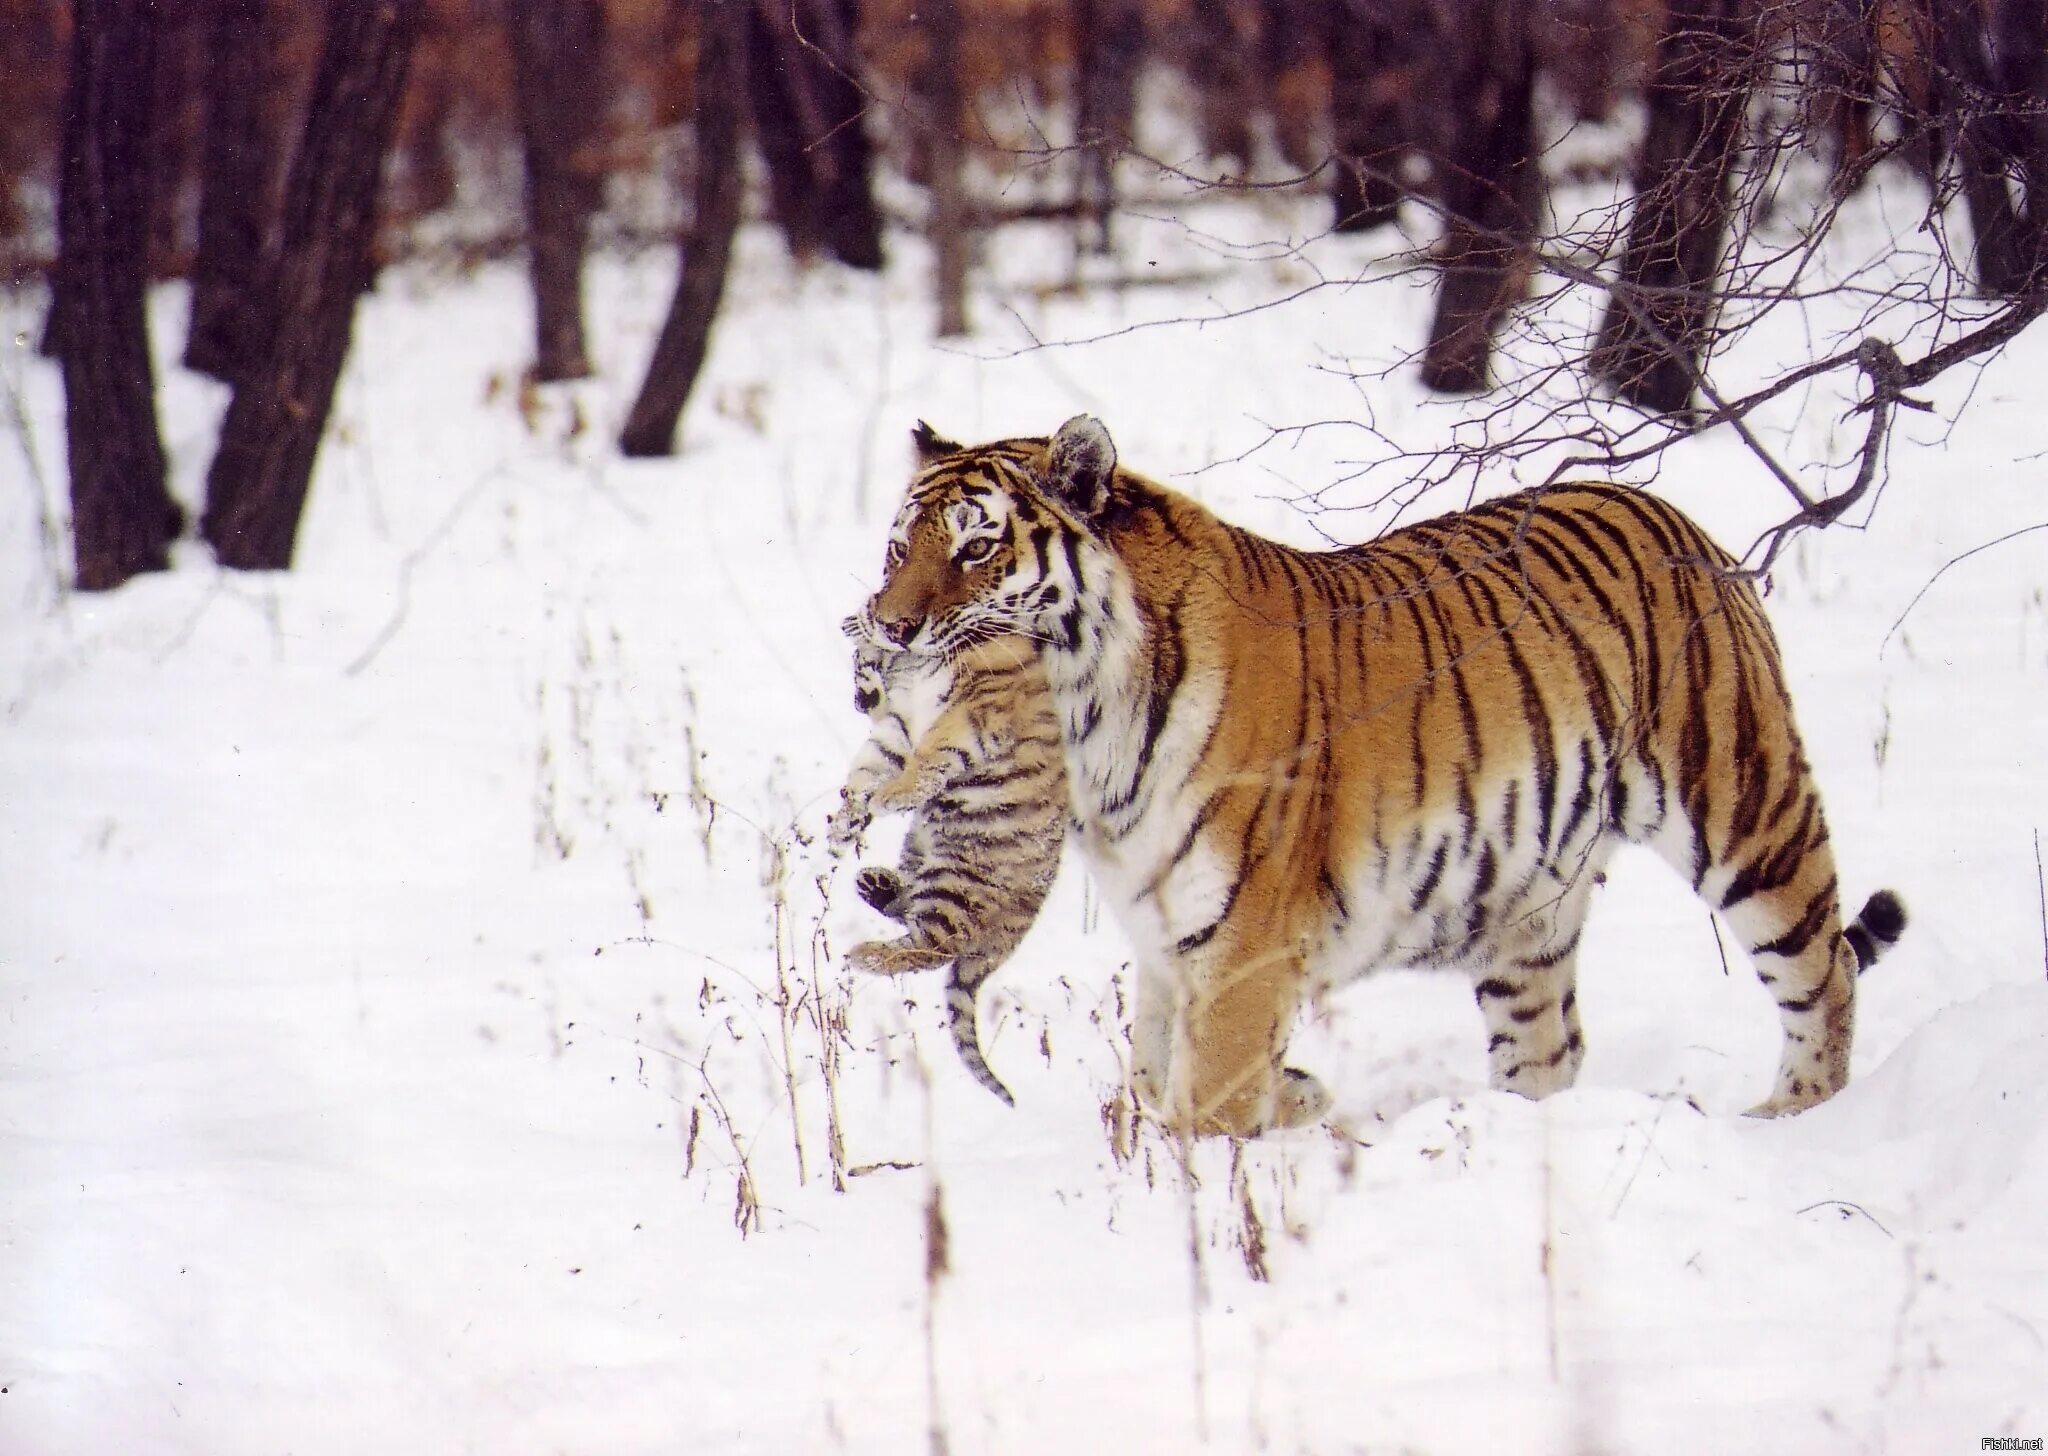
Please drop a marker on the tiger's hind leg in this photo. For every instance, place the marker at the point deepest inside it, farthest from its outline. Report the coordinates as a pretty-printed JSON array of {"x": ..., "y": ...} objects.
[
  {"x": 1793, "y": 932},
  {"x": 918, "y": 898},
  {"x": 895, "y": 957},
  {"x": 1528, "y": 995},
  {"x": 1778, "y": 891}
]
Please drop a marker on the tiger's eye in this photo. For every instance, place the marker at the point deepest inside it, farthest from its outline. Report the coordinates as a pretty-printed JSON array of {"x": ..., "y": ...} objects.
[{"x": 979, "y": 550}]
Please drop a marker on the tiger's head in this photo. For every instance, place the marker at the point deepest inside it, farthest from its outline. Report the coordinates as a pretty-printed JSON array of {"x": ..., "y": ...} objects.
[{"x": 988, "y": 540}]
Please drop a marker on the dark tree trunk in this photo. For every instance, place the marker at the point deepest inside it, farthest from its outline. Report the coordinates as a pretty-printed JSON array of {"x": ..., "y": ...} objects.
[
  {"x": 775, "y": 102},
  {"x": 1653, "y": 342},
  {"x": 2022, "y": 49},
  {"x": 1376, "y": 64},
  {"x": 122, "y": 517},
  {"x": 1110, "y": 44},
  {"x": 256, "y": 490},
  {"x": 945, "y": 149},
  {"x": 853, "y": 224},
  {"x": 722, "y": 66},
  {"x": 1490, "y": 186},
  {"x": 235, "y": 192},
  {"x": 175, "y": 128},
  {"x": 1980, "y": 140},
  {"x": 558, "y": 46},
  {"x": 807, "y": 111},
  {"x": 1218, "y": 64},
  {"x": 1294, "y": 49}
]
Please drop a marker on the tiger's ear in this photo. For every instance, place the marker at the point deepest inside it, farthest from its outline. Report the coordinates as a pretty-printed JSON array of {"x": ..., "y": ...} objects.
[
  {"x": 931, "y": 445},
  {"x": 1079, "y": 465}
]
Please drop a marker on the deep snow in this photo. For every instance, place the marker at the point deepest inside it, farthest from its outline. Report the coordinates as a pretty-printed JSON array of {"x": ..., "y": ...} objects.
[{"x": 419, "y": 1029}]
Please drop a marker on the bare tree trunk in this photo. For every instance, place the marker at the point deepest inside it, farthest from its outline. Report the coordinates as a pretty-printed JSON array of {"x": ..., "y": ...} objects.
[
  {"x": 235, "y": 192},
  {"x": 776, "y": 103},
  {"x": 1110, "y": 43},
  {"x": 175, "y": 129},
  {"x": 1295, "y": 43},
  {"x": 853, "y": 224},
  {"x": 558, "y": 48},
  {"x": 1218, "y": 63},
  {"x": 1658, "y": 329},
  {"x": 1374, "y": 66},
  {"x": 1977, "y": 137},
  {"x": 945, "y": 149},
  {"x": 256, "y": 490},
  {"x": 807, "y": 120},
  {"x": 2022, "y": 50},
  {"x": 722, "y": 66},
  {"x": 122, "y": 517},
  {"x": 1490, "y": 187}
]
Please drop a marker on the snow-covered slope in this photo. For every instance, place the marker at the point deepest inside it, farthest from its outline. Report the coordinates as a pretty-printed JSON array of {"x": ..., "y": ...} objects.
[{"x": 420, "y": 1032}]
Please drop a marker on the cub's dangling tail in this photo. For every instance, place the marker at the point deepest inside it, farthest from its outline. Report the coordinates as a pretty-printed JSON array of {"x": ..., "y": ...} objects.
[
  {"x": 1876, "y": 929},
  {"x": 969, "y": 971}
]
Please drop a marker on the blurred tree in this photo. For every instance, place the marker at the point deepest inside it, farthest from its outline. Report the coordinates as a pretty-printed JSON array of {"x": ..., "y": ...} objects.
[
  {"x": 33, "y": 65},
  {"x": 235, "y": 191},
  {"x": 1982, "y": 138},
  {"x": 1109, "y": 40},
  {"x": 722, "y": 67},
  {"x": 1218, "y": 35},
  {"x": 558, "y": 49},
  {"x": 256, "y": 490},
  {"x": 946, "y": 158},
  {"x": 1490, "y": 186},
  {"x": 1295, "y": 43},
  {"x": 122, "y": 516},
  {"x": 1658, "y": 328},
  {"x": 808, "y": 113},
  {"x": 1377, "y": 52},
  {"x": 176, "y": 109}
]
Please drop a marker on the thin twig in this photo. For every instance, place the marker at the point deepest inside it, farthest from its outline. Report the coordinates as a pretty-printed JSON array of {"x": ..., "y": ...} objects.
[
  {"x": 1847, "y": 1208},
  {"x": 2041, "y": 888},
  {"x": 1953, "y": 561}
]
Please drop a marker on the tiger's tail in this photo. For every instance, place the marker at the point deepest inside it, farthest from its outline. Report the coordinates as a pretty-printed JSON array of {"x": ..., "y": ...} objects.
[
  {"x": 962, "y": 982},
  {"x": 1876, "y": 929}
]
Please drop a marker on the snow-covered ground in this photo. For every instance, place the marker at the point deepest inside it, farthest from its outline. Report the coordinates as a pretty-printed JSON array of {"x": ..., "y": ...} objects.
[{"x": 420, "y": 1029}]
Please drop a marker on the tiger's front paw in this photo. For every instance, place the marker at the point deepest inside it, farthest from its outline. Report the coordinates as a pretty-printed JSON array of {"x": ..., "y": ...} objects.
[{"x": 848, "y": 825}]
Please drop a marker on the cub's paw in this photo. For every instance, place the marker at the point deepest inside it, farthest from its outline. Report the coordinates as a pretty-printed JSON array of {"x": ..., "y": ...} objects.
[
  {"x": 893, "y": 957},
  {"x": 847, "y": 825},
  {"x": 879, "y": 887},
  {"x": 1299, "y": 1100}
]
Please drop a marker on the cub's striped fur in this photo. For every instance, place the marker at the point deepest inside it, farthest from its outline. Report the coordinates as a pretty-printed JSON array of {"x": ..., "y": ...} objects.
[
  {"x": 972, "y": 749},
  {"x": 1290, "y": 767}
]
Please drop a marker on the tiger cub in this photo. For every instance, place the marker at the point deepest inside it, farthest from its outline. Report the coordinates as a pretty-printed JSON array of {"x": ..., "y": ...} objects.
[
  {"x": 972, "y": 749},
  {"x": 1290, "y": 767}
]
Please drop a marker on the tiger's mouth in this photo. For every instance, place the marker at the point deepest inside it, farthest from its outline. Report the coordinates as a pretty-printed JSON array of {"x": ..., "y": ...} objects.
[{"x": 899, "y": 638}]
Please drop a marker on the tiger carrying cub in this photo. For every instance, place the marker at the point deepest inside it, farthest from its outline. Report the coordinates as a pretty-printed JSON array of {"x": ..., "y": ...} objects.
[
  {"x": 1288, "y": 768},
  {"x": 968, "y": 745}
]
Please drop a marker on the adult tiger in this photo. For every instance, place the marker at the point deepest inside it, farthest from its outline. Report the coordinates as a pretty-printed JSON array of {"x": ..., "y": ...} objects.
[{"x": 1291, "y": 767}]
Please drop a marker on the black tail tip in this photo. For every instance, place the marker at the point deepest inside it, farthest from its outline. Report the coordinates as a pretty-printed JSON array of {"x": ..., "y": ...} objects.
[
  {"x": 1884, "y": 917},
  {"x": 1879, "y": 925}
]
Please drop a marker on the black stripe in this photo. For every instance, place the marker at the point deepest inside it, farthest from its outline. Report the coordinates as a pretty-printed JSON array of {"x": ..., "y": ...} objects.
[
  {"x": 1796, "y": 939},
  {"x": 1431, "y": 879}
]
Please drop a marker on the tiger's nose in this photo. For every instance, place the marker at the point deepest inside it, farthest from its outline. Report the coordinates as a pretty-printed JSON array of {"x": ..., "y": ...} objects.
[{"x": 896, "y": 630}]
